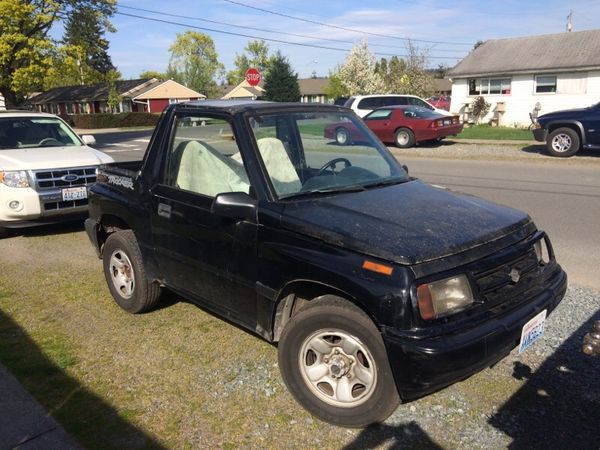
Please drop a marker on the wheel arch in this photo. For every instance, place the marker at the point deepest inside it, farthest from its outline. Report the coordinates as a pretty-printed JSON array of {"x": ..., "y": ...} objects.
[
  {"x": 575, "y": 125},
  {"x": 107, "y": 225},
  {"x": 299, "y": 292}
]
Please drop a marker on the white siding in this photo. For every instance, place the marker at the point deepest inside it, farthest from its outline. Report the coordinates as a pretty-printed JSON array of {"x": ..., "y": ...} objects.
[
  {"x": 575, "y": 90},
  {"x": 2, "y": 103}
]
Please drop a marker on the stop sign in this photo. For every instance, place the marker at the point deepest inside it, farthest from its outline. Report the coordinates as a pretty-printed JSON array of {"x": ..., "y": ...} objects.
[{"x": 252, "y": 77}]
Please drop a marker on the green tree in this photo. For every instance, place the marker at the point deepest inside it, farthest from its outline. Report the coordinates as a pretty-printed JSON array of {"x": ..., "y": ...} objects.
[
  {"x": 256, "y": 55},
  {"x": 26, "y": 50},
  {"x": 154, "y": 74},
  {"x": 194, "y": 62},
  {"x": 335, "y": 88},
  {"x": 114, "y": 99},
  {"x": 281, "y": 83}
]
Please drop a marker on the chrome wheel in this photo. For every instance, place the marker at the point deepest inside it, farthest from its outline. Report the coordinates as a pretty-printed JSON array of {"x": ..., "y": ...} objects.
[
  {"x": 338, "y": 368},
  {"x": 342, "y": 137},
  {"x": 121, "y": 273},
  {"x": 562, "y": 143},
  {"x": 402, "y": 138}
]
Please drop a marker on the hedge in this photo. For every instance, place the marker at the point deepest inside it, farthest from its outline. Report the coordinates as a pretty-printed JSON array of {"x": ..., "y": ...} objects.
[{"x": 108, "y": 120}]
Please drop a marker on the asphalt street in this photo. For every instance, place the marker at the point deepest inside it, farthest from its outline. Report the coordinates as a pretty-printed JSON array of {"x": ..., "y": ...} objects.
[{"x": 563, "y": 199}]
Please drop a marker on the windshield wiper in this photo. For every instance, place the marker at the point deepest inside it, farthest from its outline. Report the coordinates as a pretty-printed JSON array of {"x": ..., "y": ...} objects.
[
  {"x": 331, "y": 190},
  {"x": 386, "y": 182}
]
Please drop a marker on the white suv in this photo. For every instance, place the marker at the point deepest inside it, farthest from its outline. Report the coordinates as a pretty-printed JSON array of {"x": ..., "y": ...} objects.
[
  {"x": 45, "y": 170},
  {"x": 364, "y": 104}
]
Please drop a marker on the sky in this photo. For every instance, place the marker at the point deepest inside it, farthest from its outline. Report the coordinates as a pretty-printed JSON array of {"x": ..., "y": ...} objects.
[{"x": 444, "y": 30}]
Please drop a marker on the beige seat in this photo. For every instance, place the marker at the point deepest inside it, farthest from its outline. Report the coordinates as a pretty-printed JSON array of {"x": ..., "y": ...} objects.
[
  {"x": 281, "y": 170},
  {"x": 206, "y": 171}
]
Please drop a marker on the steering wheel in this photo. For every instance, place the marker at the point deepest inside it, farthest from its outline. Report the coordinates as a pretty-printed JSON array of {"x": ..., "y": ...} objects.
[
  {"x": 49, "y": 140},
  {"x": 332, "y": 164}
]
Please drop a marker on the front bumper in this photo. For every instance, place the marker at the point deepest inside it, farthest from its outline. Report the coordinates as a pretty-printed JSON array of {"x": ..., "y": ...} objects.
[
  {"x": 426, "y": 365},
  {"x": 540, "y": 134}
]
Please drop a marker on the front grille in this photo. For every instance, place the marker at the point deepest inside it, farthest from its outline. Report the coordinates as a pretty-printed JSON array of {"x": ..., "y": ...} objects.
[
  {"x": 53, "y": 206},
  {"x": 46, "y": 179},
  {"x": 50, "y": 184},
  {"x": 496, "y": 285}
]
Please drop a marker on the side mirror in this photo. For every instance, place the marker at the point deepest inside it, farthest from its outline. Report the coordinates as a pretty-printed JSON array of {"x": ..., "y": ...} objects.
[
  {"x": 88, "y": 139},
  {"x": 235, "y": 205}
]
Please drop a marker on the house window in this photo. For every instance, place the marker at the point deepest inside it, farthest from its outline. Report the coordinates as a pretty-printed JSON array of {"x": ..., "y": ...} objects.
[
  {"x": 485, "y": 86},
  {"x": 545, "y": 84}
]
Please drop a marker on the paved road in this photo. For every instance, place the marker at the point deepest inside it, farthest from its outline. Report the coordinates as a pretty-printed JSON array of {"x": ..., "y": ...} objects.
[
  {"x": 563, "y": 199},
  {"x": 123, "y": 146}
]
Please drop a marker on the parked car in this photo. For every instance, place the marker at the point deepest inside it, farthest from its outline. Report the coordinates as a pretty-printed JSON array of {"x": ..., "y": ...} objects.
[
  {"x": 364, "y": 104},
  {"x": 45, "y": 170},
  {"x": 375, "y": 286},
  {"x": 440, "y": 102},
  {"x": 403, "y": 125},
  {"x": 566, "y": 132}
]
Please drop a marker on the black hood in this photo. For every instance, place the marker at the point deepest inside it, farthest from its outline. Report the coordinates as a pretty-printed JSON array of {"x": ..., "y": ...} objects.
[
  {"x": 565, "y": 114},
  {"x": 407, "y": 223}
]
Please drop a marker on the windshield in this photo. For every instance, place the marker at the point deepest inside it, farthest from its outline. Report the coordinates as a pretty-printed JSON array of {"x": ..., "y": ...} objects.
[
  {"x": 306, "y": 153},
  {"x": 34, "y": 132}
]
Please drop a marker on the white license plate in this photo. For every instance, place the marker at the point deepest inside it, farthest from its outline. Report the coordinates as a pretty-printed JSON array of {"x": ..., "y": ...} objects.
[
  {"x": 532, "y": 331},
  {"x": 76, "y": 193},
  {"x": 447, "y": 122}
]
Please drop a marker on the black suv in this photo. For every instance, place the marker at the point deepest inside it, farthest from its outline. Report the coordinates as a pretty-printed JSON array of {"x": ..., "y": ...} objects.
[{"x": 565, "y": 132}]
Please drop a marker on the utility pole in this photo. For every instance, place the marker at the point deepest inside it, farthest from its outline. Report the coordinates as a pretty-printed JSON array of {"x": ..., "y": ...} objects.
[{"x": 570, "y": 22}]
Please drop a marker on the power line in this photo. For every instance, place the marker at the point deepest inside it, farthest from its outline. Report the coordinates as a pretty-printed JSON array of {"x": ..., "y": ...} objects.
[
  {"x": 315, "y": 22},
  {"x": 280, "y": 41},
  {"x": 254, "y": 28}
]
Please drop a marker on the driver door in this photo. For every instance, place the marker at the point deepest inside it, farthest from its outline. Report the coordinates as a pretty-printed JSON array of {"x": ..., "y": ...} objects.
[{"x": 209, "y": 258}]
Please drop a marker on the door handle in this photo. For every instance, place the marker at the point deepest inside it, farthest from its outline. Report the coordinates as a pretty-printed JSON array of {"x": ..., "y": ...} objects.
[{"x": 164, "y": 210}]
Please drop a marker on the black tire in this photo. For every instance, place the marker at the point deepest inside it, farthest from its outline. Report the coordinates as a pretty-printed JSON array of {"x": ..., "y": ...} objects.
[
  {"x": 404, "y": 138},
  {"x": 125, "y": 274},
  {"x": 563, "y": 142},
  {"x": 342, "y": 136},
  {"x": 357, "y": 388}
]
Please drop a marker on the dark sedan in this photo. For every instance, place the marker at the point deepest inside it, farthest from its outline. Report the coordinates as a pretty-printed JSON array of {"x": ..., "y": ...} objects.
[{"x": 403, "y": 125}]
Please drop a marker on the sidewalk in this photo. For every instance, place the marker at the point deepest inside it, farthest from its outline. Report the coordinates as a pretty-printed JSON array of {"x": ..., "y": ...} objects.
[
  {"x": 24, "y": 424},
  {"x": 81, "y": 131},
  {"x": 495, "y": 141}
]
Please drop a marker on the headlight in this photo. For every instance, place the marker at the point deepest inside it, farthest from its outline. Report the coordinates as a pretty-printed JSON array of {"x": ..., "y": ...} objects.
[
  {"x": 541, "y": 251},
  {"x": 444, "y": 297},
  {"x": 16, "y": 179}
]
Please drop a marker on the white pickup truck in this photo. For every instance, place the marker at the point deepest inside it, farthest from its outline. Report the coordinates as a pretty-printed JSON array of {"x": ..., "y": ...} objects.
[{"x": 45, "y": 170}]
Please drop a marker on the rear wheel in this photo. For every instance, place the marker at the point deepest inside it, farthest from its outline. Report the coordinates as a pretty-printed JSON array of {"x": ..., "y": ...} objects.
[
  {"x": 404, "y": 138},
  {"x": 333, "y": 361},
  {"x": 125, "y": 273},
  {"x": 342, "y": 136},
  {"x": 563, "y": 142}
]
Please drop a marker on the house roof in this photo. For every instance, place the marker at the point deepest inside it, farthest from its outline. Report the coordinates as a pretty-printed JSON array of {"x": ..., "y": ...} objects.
[
  {"x": 551, "y": 52},
  {"x": 167, "y": 89},
  {"x": 313, "y": 86},
  {"x": 90, "y": 93},
  {"x": 244, "y": 90}
]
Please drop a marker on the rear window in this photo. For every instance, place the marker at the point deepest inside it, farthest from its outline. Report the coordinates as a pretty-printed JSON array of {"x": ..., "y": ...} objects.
[
  {"x": 391, "y": 101},
  {"x": 370, "y": 103},
  {"x": 416, "y": 112},
  {"x": 379, "y": 114}
]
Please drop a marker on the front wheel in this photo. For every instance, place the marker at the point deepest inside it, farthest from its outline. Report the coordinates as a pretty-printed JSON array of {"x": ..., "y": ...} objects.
[
  {"x": 563, "y": 142},
  {"x": 333, "y": 361},
  {"x": 125, "y": 274}
]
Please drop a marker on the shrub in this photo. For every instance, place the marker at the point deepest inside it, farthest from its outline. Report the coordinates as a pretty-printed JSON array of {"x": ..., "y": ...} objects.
[
  {"x": 107, "y": 120},
  {"x": 480, "y": 107}
]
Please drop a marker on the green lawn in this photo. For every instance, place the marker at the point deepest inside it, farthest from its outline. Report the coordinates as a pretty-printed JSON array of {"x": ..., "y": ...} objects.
[{"x": 495, "y": 133}]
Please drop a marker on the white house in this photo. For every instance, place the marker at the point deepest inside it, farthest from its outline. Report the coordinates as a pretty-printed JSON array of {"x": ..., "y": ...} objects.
[{"x": 550, "y": 72}]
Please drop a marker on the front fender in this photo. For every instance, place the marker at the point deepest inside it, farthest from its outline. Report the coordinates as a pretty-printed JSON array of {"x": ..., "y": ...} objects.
[{"x": 553, "y": 124}]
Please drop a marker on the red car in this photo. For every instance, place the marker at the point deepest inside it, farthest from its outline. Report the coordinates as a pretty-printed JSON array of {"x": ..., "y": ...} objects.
[
  {"x": 440, "y": 101},
  {"x": 403, "y": 125}
]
